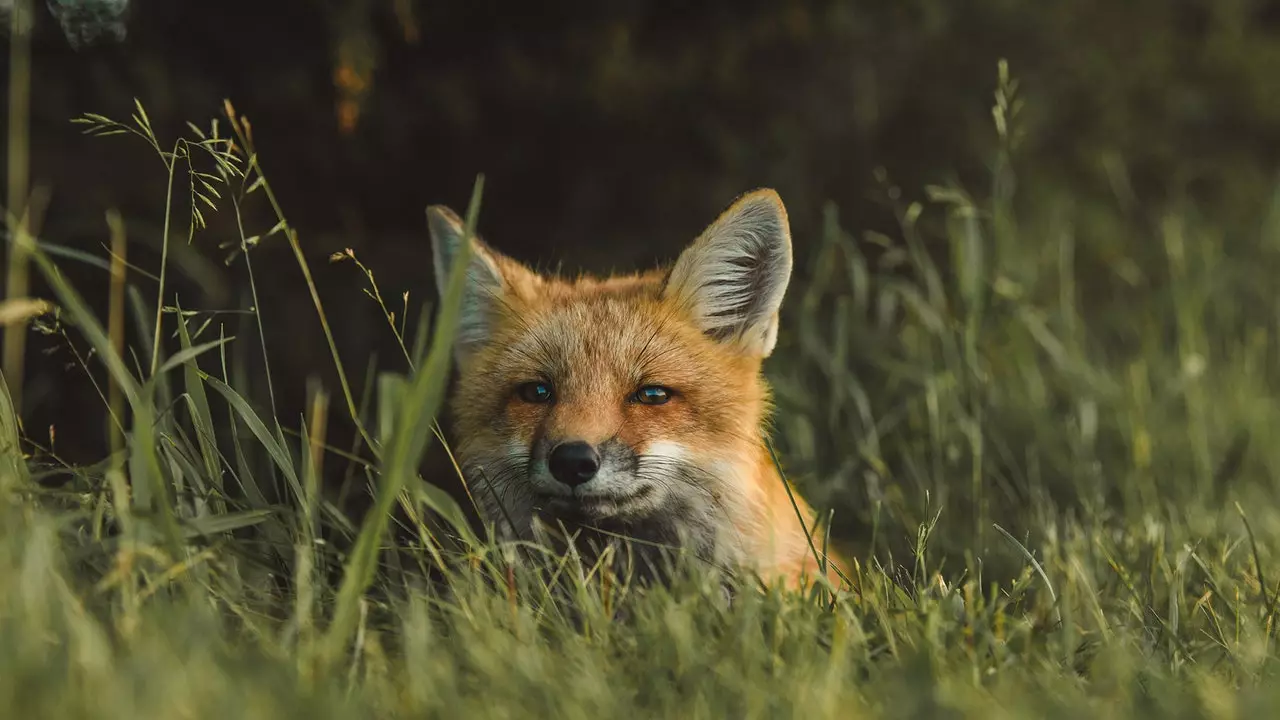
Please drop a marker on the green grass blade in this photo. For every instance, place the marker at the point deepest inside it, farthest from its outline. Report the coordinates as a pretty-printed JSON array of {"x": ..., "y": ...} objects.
[
  {"x": 85, "y": 321},
  {"x": 273, "y": 447},
  {"x": 150, "y": 483},
  {"x": 142, "y": 322},
  {"x": 150, "y": 491},
  {"x": 404, "y": 448},
  {"x": 224, "y": 523},
  {"x": 201, "y": 416},
  {"x": 188, "y": 354},
  {"x": 13, "y": 467}
]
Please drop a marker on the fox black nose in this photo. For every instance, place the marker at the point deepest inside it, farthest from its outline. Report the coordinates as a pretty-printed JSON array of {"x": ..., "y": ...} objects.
[{"x": 574, "y": 463}]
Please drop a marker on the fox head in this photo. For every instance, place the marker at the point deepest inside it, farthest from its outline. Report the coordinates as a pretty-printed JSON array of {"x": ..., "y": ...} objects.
[{"x": 631, "y": 403}]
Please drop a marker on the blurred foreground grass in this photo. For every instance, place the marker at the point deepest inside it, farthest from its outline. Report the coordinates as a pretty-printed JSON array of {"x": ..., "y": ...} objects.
[{"x": 1061, "y": 506}]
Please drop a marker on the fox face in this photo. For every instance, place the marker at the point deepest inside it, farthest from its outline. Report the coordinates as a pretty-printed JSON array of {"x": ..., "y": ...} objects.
[{"x": 630, "y": 405}]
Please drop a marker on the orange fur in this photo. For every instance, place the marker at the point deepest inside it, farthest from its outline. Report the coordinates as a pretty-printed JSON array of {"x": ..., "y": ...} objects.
[{"x": 695, "y": 468}]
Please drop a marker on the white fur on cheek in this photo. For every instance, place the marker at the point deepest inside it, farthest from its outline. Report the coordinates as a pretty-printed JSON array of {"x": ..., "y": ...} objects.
[
  {"x": 662, "y": 453},
  {"x": 667, "y": 451}
]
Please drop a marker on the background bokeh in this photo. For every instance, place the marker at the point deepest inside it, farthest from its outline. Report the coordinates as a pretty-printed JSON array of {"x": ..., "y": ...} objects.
[{"x": 611, "y": 133}]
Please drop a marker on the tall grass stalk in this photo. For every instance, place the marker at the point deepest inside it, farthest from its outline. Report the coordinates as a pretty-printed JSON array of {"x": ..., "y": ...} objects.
[{"x": 21, "y": 20}]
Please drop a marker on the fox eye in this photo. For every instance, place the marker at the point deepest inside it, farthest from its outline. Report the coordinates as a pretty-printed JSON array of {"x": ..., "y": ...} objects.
[
  {"x": 534, "y": 392},
  {"x": 652, "y": 395}
]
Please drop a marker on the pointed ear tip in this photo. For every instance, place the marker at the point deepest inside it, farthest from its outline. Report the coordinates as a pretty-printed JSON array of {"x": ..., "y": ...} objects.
[
  {"x": 763, "y": 192},
  {"x": 764, "y": 198},
  {"x": 765, "y": 195},
  {"x": 437, "y": 214},
  {"x": 770, "y": 198},
  {"x": 443, "y": 226}
]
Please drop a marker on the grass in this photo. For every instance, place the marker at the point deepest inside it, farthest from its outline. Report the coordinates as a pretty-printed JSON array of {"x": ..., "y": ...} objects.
[{"x": 1051, "y": 493}]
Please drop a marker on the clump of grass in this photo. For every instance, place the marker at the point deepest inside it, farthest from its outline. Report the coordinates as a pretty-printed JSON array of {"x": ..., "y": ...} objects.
[{"x": 1047, "y": 530}]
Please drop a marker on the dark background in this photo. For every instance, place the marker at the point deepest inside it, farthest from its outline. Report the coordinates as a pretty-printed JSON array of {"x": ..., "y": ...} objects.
[{"x": 610, "y": 134}]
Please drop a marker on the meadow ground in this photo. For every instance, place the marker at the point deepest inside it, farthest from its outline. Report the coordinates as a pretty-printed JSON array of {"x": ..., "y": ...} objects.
[{"x": 1055, "y": 476}]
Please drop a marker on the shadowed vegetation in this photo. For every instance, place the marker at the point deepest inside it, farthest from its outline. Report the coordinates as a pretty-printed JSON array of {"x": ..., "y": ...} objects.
[{"x": 1038, "y": 409}]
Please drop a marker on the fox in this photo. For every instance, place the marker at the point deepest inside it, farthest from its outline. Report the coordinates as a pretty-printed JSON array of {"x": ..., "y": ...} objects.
[{"x": 632, "y": 405}]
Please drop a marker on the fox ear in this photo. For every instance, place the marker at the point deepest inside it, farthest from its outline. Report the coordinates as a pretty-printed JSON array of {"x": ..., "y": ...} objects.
[
  {"x": 733, "y": 277},
  {"x": 485, "y": 283}
]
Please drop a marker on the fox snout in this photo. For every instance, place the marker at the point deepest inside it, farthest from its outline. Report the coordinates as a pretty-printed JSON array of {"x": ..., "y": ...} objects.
[{"x": 573, "y": 463}]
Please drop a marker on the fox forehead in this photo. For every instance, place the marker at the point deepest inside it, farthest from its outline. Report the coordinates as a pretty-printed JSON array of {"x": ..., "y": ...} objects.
[
  {"x": 596, "y": 343},
  {"x": 591, "y": 334}
]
